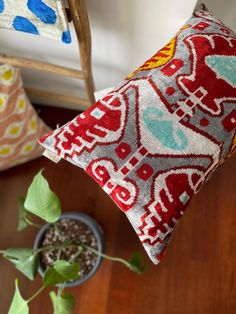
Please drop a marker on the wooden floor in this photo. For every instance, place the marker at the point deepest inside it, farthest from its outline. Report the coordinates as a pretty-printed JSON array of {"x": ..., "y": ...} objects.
[{"x": 197, "y": 275}]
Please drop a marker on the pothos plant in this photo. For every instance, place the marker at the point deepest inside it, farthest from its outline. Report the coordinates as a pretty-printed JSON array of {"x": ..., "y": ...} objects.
[{"x": 42, "y": 202}]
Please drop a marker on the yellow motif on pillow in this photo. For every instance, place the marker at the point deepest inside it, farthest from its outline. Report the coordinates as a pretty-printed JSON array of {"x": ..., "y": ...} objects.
[
  {"x": 3, "y": 102},
  {"x": 162, "y": 56},
  {"x": 7, "y": 75},
  {"x": 33, "y": 125},
  {"x": 28, "y": 147},
  {"x": 159, "y": 59},
  {"x": 6, "y": 150},
  {"x": 21, "y": 104},
  {"x": 14, "y": 129}
]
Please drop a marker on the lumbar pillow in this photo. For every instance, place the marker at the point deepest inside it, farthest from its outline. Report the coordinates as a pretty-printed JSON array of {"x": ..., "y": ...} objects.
[
  {"x": 153, "y": 141},
  {"x": 45, "y": 18},
  {"x": 20, "y": 126}
]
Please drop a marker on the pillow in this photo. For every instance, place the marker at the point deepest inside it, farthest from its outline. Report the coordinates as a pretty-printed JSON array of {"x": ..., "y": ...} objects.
[
  {"x": 45, "y": 18},
  {"x": 20, "y": 127},
  {"x": 153, "y": 141}
]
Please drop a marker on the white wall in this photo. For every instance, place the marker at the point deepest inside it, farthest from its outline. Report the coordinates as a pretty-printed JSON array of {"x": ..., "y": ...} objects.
[{"x": 124, "y": 32}]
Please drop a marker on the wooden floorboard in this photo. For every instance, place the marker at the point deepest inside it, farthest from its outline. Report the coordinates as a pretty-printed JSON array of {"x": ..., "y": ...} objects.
[{"x": 197, "y": 275}]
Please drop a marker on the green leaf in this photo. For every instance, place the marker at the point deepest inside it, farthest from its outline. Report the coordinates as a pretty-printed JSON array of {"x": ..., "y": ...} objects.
[
  {"x": 41, "y": 200},
  {"x": 25, "y": 260},
  {"x": 22, "y": 224},
  {"x": 18, "y": 304},
  {"x": 69, "y": 271},
  {"x": 60, "y": 272},
  {"x": 51, "y": 277},
  {"x": 136, "y": 263},
  {"x": 62, "y": 304}
]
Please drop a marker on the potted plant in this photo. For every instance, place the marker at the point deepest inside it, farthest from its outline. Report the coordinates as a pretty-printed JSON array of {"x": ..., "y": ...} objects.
[{"x": 67, "y": 250}]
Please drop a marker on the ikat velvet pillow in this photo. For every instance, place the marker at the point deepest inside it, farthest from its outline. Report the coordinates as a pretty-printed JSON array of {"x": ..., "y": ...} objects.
[
  {"x": 153, "y": 141},
  {"x": 40, "y": 17},
  {"x": 20, "y": 126}
]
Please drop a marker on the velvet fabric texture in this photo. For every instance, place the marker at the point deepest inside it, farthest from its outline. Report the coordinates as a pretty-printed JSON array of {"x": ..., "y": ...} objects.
[
  {"x": 153, "y": 141},
  {"x": 45, "y": 18},
  {"x": 20, "y": 126}
]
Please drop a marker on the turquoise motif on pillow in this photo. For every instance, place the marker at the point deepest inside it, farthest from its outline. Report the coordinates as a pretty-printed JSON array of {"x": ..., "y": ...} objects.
[
  {"x": 153, "y": 141},
  {"x": 40, "y": 17}
]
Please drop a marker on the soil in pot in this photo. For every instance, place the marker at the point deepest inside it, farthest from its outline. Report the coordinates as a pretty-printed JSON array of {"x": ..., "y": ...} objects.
[{"x": 66, "y": 230}]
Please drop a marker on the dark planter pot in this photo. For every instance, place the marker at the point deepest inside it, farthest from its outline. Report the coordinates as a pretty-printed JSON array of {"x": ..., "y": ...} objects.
[{"x": 96, "y": 229}]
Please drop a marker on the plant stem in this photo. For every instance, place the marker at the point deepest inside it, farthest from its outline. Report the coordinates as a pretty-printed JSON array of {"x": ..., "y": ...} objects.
[
  {"x": 36, "y": 294},
  {"x": 111, "y": 258},
  {"x": 56, "y": 228},
  {"x": 59, "y": 255},
  {"x": 56, "y": 247},
  {"x": 80, "y": 249},
  {"x": 31, "y": 223},
  {"x": 60, "y": 289}
]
